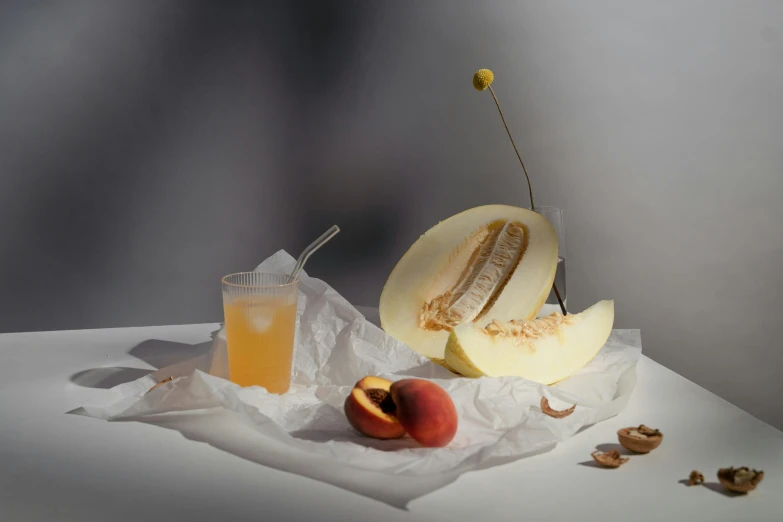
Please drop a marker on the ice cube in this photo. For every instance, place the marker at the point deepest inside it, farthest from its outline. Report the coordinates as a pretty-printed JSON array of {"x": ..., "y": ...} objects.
[{"x": 260, "y": 318}]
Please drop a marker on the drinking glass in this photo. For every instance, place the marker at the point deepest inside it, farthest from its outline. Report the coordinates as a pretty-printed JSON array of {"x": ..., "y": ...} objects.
[
  {"x": 555, "y": 216},
  {"x": 260, "y": 317}
]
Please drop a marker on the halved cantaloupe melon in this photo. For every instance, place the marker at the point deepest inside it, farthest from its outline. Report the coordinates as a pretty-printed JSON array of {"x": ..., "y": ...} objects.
[
  {"x": 544, "y": 350},
  {"x": 494, "y": 262}
]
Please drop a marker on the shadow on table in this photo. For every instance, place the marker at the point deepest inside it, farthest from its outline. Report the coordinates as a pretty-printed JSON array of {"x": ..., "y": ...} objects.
[
  {"x": 604, "y": 448},
  {"x": 591, "y": 464},
  {"x": 155, "y": 352},
  {"x": 106, "y": 378},
  {"x": 716, "y": 487},
  {"x": 321, "y": 436},
  {"x": 161, "y": 354}
]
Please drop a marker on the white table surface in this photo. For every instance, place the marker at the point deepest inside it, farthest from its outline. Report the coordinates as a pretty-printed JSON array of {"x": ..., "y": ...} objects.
[{"x": 60, "y": 467}]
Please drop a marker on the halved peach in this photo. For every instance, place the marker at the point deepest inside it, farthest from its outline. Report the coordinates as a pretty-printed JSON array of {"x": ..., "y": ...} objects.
[{"x": 371, "y": 411}]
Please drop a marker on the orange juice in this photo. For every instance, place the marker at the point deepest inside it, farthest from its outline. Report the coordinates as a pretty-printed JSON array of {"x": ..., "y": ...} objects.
[{"x": 260, "y": 339}]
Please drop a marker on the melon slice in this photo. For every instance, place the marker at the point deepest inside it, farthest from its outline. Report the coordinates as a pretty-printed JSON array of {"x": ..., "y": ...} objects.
[
  {"x": 486, "y": 263},
  {"x": 544, "y": 350}
]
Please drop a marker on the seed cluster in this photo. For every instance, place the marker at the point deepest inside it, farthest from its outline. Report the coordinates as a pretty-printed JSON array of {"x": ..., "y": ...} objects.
[
  {"x": 432, "y": 315},
  {"x": 522, "y": 330}
]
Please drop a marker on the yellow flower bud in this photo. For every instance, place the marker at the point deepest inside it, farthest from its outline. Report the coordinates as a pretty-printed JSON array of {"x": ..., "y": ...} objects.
[{"x": 482, "y": 79}]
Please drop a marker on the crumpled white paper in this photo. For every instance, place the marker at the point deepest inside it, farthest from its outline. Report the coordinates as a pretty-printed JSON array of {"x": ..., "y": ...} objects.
[{"x": 305, "y": 430}]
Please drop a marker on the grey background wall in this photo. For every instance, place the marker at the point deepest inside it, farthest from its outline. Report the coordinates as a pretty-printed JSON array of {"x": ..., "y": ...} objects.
[{"x": 147, "y": 148}]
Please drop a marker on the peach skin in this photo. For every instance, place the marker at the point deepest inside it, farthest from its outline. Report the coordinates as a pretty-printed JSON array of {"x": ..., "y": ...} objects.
[{"x": 426, "y": 411}]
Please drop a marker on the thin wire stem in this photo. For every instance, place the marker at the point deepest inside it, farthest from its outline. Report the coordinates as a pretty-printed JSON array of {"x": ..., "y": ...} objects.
[
  {"x": 529, "y": 187},
  {"x": 559, "y": 299}
]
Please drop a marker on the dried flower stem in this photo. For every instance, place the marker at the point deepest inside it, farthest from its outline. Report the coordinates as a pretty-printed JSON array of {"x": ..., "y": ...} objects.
[{"x": 529, "y": 186}]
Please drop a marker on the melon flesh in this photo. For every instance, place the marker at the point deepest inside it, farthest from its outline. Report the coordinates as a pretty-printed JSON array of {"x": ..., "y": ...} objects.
[
  {"x": 489, "y": 262},
  {"x": 545, "y": 350}
]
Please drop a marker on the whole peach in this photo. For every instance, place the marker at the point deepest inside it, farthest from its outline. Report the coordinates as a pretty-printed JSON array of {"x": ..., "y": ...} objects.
[{"x": 426, "y": 411}]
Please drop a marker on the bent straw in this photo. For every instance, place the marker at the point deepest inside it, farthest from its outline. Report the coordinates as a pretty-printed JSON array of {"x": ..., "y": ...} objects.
[{"x": 307, "y": 252}]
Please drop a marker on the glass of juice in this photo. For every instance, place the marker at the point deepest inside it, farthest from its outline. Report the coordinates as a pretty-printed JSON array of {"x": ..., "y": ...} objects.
[{"x": 260, "y": 319}]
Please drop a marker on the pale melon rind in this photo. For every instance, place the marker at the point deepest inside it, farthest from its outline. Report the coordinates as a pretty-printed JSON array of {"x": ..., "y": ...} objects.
[
  {"x": 410, "y": 284},
  {"x": 546, "y": 360}
]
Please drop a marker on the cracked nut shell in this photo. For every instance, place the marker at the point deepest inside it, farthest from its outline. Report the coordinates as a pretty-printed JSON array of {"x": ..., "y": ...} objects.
[
  {"x": 639, "y": 439},
  {"x": 740, "y": 480},
  {"x": 695, "y": 478},
  {"x": 160, "y": 383},
  {"x": 557, "y": 414},
  {"x": 610, "y": 459}
]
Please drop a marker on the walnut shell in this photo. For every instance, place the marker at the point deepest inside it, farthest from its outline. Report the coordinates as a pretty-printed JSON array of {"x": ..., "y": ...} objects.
[
  {"x": 167, "y": 379},
  {"x": 610, "y": 459},
  {"x": 740, "y": 480},
  {"x": 639, "y": 439},
  {"x": 547, "y": 410},
  {"x": 695, "y": 478}
]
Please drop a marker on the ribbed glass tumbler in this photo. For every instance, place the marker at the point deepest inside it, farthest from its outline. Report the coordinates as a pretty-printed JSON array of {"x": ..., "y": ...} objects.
[{"x": 260, "y": 319}]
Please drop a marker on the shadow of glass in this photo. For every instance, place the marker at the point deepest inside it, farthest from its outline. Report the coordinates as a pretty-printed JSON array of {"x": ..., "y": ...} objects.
[
  {"x": 106, "y": 378},
  {"x": 183, "y": 359},
  {"x": 160, "y": 354}
]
